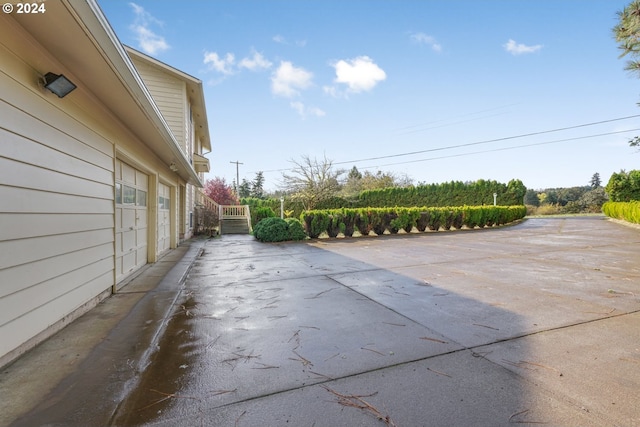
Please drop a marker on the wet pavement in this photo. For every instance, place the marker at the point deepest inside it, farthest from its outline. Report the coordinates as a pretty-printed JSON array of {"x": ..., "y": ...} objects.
[{"x": 535, "y": 323}]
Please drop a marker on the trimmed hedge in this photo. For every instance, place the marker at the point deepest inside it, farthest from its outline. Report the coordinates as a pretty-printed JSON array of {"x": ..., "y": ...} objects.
[
  {"x": 380, "y": 220},
  {"x": 454, "y": 193},
  {"x": 274, "y": 229},
  {"x": 626, "y": 211}
]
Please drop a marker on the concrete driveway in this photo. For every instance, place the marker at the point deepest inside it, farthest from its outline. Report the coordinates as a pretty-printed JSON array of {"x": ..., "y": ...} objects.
[{"x": 536, "y": 323}]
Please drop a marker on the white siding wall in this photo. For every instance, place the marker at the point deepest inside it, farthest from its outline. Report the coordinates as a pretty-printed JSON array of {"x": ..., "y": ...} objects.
[
  {"x": 57, "y": 195},
  {"x": 170, "y": 95},
  {"x": 56, "y": 205}
]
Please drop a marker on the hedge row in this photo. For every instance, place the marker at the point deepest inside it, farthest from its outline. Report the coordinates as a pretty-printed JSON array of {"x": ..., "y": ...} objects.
[
  {"x": 379, "y": 220},
  {"x": 454, "y": 193},
  {"x": 626, "y": 211}
]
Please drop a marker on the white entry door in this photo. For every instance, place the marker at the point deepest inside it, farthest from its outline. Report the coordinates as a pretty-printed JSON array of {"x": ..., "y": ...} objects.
[
  {"x": 164, "y": 218},
  {"x": 131, "y": 219}
]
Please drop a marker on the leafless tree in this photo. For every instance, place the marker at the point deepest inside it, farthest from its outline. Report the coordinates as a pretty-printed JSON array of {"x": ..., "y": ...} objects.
[{"x": 311, "y": 180}]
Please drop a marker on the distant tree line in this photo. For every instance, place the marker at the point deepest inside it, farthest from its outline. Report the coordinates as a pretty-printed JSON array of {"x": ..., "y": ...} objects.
[{"x": 581, "y": 199}]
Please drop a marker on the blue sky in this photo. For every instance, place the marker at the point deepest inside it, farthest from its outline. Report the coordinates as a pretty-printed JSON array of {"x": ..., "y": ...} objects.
[{"x": 457, "y": 83}]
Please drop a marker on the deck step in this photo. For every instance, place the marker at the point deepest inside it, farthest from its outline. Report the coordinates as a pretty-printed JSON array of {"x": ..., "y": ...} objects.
[{"x": 235, "y": 226}]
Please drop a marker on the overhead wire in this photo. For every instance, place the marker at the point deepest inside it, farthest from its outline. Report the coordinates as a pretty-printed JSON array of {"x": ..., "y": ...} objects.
[
  {"x": 501, "y": 149},
  {"x": 469, "y": 144}
]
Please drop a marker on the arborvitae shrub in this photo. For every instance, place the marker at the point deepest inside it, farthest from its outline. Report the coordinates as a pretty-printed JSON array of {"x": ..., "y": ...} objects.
[
  {"x": 261, "y": 212},
  {"x": 423, "y": 220}
]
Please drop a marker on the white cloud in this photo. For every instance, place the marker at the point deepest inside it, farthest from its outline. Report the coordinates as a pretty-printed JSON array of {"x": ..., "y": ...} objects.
[
  {"x": 332, "y": 91},
  {"x": 359, "y": 74},
  {"x": 305, "y": 111},
  {"x": 150, "y": 42},
  {"x": 287, "y": 80},
  {"x": 220, "y": 64},
  {"x": 282, "y": 40},
  {"x": 256, "y": 62},
  {"x": 518, "y": 49},
  {"x": 422, "y": 38}
]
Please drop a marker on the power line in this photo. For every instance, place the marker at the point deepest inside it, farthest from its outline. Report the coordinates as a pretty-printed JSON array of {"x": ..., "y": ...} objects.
[
  {"x": 449, "y": 147},
  {"x": 501, "y": 149}
]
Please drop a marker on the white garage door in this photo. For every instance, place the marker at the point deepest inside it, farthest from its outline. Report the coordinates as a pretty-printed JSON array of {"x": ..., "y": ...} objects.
[
  {"x": 164, "y": 218},
  {"x": 131, "y": 219}
]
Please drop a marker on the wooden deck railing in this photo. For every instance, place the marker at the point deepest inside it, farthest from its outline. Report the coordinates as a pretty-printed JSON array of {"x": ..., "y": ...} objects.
[
  {"x": 233, "y": 211},
  {"x": 236, "y": 212},
  {"x": 211, "y": 214}
]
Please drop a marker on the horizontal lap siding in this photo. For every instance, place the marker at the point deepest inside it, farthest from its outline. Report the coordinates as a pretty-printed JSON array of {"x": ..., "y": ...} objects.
[
  {"x": 56, "y": 207},
  {"x": 169, "y": 94}
]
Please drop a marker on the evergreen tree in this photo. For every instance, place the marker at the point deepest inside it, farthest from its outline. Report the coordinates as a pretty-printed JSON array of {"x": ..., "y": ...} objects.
[
  {"x": 595, "y": 180},
  {"x": 257, "y": 186},
  {"x": 627, "y": 34},
  {"x": 245, "y": 189}
]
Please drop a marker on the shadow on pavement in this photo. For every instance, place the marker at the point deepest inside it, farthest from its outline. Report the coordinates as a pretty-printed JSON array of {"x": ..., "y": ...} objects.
[{"x": 403, "y": 331}]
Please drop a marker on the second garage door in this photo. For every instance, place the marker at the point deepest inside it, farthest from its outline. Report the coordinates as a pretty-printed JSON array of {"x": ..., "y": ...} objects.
[{"x": 164, "y": 218}]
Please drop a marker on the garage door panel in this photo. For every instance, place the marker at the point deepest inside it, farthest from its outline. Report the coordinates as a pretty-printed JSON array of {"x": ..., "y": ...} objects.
[
  {"x": 128, "y": 174},
  {"x": 141, "y": 236},
  {"x": 131, "y": 219},
  {"x": 142, "y": 181},
  {"x": 128, "y": 262},
  {"x": 128, "y": 240},
  {"x": 128, "y": 218}
]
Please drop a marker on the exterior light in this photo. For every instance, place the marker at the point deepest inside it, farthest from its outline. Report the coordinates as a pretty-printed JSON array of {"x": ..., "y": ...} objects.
[
  {"x": 173, "y": 167},
  {"x": 58, "y": 84}
]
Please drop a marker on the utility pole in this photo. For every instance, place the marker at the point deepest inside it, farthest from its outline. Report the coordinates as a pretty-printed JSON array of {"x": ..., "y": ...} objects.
[{"x": 237, "y": 163}]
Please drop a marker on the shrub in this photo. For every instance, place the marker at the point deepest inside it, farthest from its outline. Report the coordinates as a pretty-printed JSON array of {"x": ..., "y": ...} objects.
[
  {"x": 624, "y": 187},
  {"x": 349, "y": 221},
  {"x": 315, "y": 222},
  {"x": 435, "y": 219},
  {"x": 261, "y": 212},
  {"x": 629, "y": 211},
  {"x": 458, "y": 219},
  {"x": 271, "y": 229},
  {"x": 423, "y": 220},
  {"x": 335, "y": 224},
  {"x": 274, "y": 229},
  {"x": 363, "y": 222},
  {"x": 405, "y": 220},
  {"x": 380, "y": 220},
  {"x": 377, "y": 221},
  {"x": 296, "y": 230}
]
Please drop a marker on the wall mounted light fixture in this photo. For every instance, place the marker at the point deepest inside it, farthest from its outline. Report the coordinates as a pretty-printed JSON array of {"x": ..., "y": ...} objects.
[
  {"x": 58, "y": 84},
  {"x": 173, "y": 167}
]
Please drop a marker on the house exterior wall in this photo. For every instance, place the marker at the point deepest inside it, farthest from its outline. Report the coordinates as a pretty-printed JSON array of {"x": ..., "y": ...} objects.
[
  {"x": 170, "y": 95},
  {"x": 60, "y": 160}
]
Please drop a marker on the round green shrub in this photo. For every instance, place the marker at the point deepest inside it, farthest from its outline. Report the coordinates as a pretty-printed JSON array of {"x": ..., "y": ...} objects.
[
  {"x": 271, "y": 229},
  {"x": 296, "y": 230}
]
